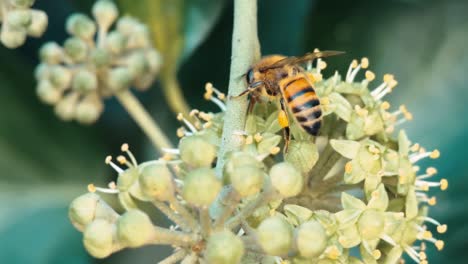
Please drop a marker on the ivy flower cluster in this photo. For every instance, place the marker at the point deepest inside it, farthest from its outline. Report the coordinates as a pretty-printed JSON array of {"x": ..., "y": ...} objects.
[
  {"x": 18, "y": 20},
  {"x": 353, "y": 194},
  {"x": 95, "y": 62}
]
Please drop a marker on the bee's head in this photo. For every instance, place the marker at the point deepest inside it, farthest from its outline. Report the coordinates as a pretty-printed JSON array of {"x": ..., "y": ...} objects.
[{"x": 249, "y": 76}]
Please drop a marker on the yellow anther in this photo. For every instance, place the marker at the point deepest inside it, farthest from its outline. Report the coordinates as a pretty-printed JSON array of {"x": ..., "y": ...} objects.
[
  {"x": 194, "y": 112},
  {"x": 364, "y": 63},
  {"x": 370, "y": 76},
  {"x": 377, "y": 254},
  {"x": 348, "y": 167},
  {"x": 325, "y": 101},
  {"x": 443, "y": 184},
  {"x": 166, "y": 157},
  {"x": 205, "y": 116},
  {"x": 442, "y": 229},
  {"x": 181, "y": 132},
  {"x": 249, "y": 140},
  {"x": 180, "y": 116},
  {"x": 172, "y": 207},
  {"x": 431, "y": 171},
  {"x": 354, "y": 64},
  {"x": 387, "y": 78},
  {"x": 385, "y": 105},
  {"x": 422, "y": 255},
  {"x": 258, "y": 137},
  {"x": 435, "y": 154},
  {"x": 425, "y": 187},
  {"x": 373, "y": 149},
  {"x": 439, "y": 244},
  {"x": 275, "y": 150},
  {"x": 415, "y": 147},
  {"x": 91, "y": 188},
  {"x": 209, "y": 87},
  {"x": 207, "y": 125},
  {"x": 333, "y": 252},
  {"x": 222, "y": 96},
  {"x": 427, "y": 235},
  {"x": 392, "y": 84},
  {"x": 423, "y": 262},
  {"x": 361, "y": 111},
  {"x": 432, "y": 201},
  {"x": 283, "y": 119},
  {"x": 108, "y": 159},
  {"x": 121, "y": 159},
  {"x": 322, "y": 65},
  {"x": 112, "y": 185},
  {"x": 316, "y": 50},
  {"x": 124, "y": 147}
]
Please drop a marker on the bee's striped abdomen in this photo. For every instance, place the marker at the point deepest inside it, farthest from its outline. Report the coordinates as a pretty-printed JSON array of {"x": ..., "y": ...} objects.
[{"x": 304, "y": 104}]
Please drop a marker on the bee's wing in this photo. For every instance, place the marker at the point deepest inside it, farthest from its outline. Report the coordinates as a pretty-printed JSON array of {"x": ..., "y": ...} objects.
[{"x": 307, "y": 57}]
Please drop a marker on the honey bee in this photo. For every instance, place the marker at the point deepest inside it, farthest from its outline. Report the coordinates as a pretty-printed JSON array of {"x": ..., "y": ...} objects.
[{"x": 279, "y": 77}]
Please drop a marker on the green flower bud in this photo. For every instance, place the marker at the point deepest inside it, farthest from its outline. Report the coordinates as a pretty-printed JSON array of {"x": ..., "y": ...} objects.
[
  {"x": 156, "y": 182},
  {"x": 98, "y": 238},
  {"x": 105, "y": 12},
  {"x": 60, "y": 76},
  {"x": 39, "y": 23},
  {"x": 42, "y": 72},
  {"x": 196, "y": 151},
  {"x": 127, "y": 25},
  {"x": 154, "y": 61},
  {"x": 302, "y": 155},
  {"x": 275, "y": 236},
  {"x": 134, "y": 228},
  {"x": 76, "y": 49},
  {"x": 84, "y": 81},
  {"x": 247, "y": 180},
  {"x": 47, "y": 93},
  {"x": 371, "y": 224},
  {"x": 201, "y": 187},
  {"x": 127, "y": 178},
  {"x": 115, "y": 42},
  {"x": 286, "y": 179},
  {"x": 139, "y": 38},
  {"x": 22, "y": 3},
  {"x": 240, "y": 159},
  {"x": 119, "y": 79},
  {"x": 89, "y": 109},
  {"x": 136, "y": 64},
  {"x": 65, "y": 108},
  {"x": 51, "y": 53},
  {"x": 311, "y": 239},
  {"x": 18, "y": 19},
  {"x": 224, "y": 247},
  {"x": 12, "y": 38},
  {"x": 81, "y": 26},
  {"x": 100, "y": 57},
  {"x": 88, "y": 207}
]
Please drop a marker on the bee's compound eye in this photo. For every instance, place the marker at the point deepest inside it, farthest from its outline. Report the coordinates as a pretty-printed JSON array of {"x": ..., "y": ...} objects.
[{"x": 249, "y": 76}]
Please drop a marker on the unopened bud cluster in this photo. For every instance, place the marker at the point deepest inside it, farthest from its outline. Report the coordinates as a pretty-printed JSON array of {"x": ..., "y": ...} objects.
[
  {"x": 95, "y": 62},
  {"x": 18, "y": 20},
  {"x": 356, "y": 187}
]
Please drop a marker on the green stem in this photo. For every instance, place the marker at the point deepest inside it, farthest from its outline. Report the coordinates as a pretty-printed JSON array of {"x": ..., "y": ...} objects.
[
  {"x": 173, "y": 94},
  {"x": 176, "y": 218},
  {"x": 245, "y": 51},
  {"x": 143, "y": 119}
]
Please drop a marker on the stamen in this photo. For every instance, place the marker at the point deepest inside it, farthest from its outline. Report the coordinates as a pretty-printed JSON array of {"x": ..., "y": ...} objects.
[
  {"x": 249, "y": 140},
  {"x": 258, "y": 137},
  {"x": 113, "y": 165},
  {"x": 181, "y": 132},
  {"x": 388, "y": 239},
  {"x": 412, "y": 253},
  {"x": 93, "y": 188},
  {"x": 181, "y": 118},
  {"x": 364, "y": 63},
  {"x": 353, "y": 65},
  {"x": 370, "y": 76},
  {"x": 385, "y": 105},
  {"x": 275, "y": 150},
  {"x": 348, "y": 167},
  {"x": 423, "y": 154},
  {"x": 123, "y": 161},
  {"x": 172, "y": 151},
  {"x": 125, "y": 148},
  {"x": 219, "y": 103}
]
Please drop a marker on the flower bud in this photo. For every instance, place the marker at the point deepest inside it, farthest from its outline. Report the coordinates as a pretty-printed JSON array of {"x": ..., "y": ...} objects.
[
  {"x": 224, "y": 247},
  {"x": 201, "y": 187},
  {"x": 12, "y": 38},
  {"x": 136, "y": 64},
  {"x": 134, "y": 228},
  {"x": 100, "y": 57},
  {"x": 51, "y": 53},
  {"x": 89, "y": 109},
  {"x": 105, "y": 12},
  {"x": 240, "y": 159},
  {"x": 156, "y": 182},
  {"x": 19, "y": 19},
  {"x": 98, "y": 238},
  {"x": 139, "y": 38},
  {"x": 286, "y": 179},
  {"x": 65, "y": 108},
  {"x": 84, "y": 81},
  {"x": 371, "y": 224},
  {"x": 47, "y": 93},
  {"x": 22, "y": 3},
  {"x": 247, "y": 180},
  {"x": 60, "y": 76},
  {"x": 311, "y": 239},
  {"x": 76, "y": 49},
  {"x": 275, "y": 236},
  {"x": 88, "y": 207},
  {"x": 154, "y": 61},
  {"x": 127, "y": 25},
  {"x": 81, "y": 26},
  {"x": 196, "y": 151},
  {"x": 115, "y": 42},
  {"x": 302, "y": 155},
  {"x": 119, "y": 79},
  {"x": 127, "y": 178},
  {"x": 39, "y": 23}
]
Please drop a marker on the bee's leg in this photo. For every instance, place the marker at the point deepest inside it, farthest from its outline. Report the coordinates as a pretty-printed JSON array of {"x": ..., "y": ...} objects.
[
  {"x": 254, "y": 86},
  {"x": 284, "y": 123},
  {"x": 252, "y": 102}
]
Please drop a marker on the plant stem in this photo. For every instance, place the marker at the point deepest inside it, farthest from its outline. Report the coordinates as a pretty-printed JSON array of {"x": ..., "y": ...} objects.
[
  {"x": 245, "y": 51},
  {"x": 144, "y": 120},
  {"x": 177, "y": 219}
]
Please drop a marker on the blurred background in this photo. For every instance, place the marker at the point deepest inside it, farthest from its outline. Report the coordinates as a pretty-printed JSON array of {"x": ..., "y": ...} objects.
[{"x": 45, "y": 163}]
